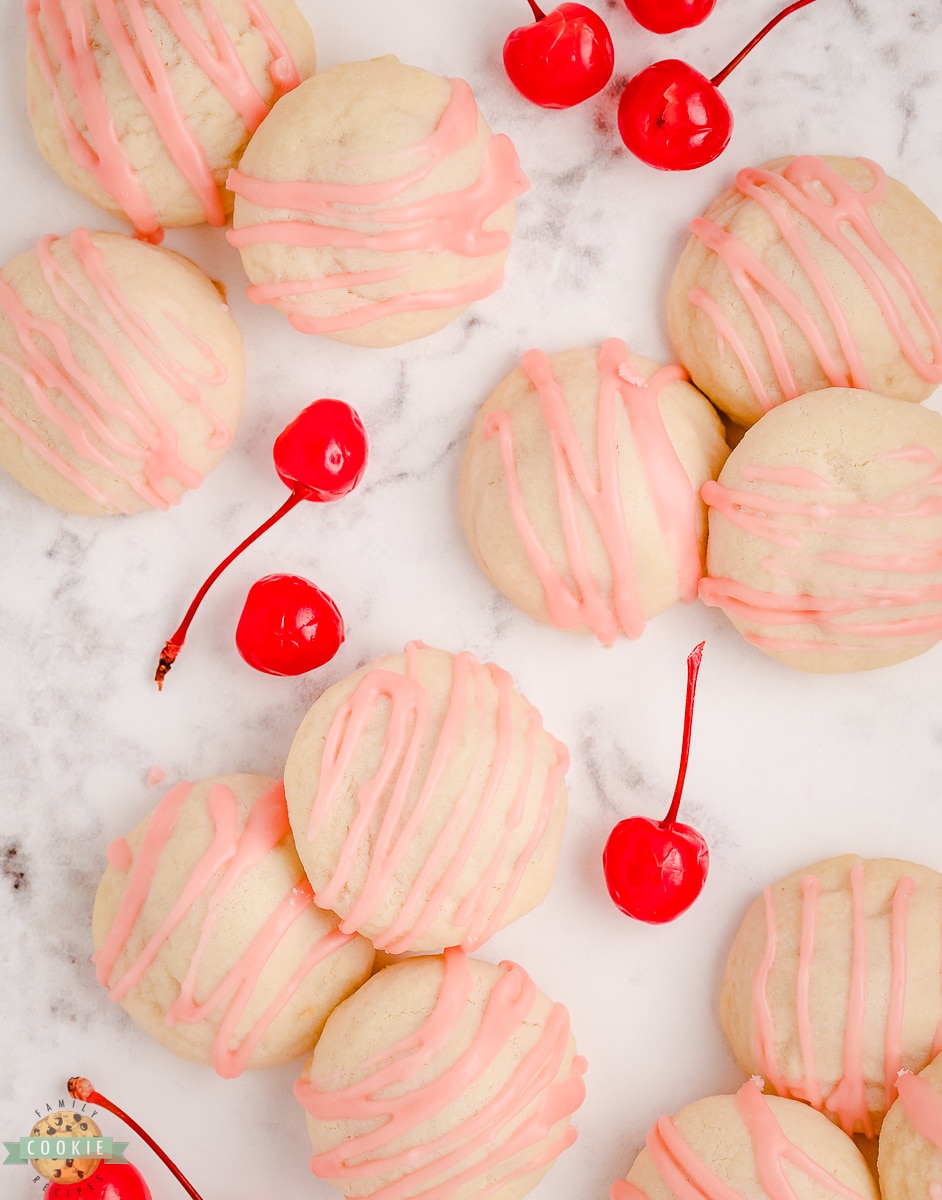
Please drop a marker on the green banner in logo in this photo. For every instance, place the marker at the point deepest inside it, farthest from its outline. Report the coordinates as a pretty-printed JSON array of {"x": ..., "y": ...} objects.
[{"x": 63, "y": 1148}]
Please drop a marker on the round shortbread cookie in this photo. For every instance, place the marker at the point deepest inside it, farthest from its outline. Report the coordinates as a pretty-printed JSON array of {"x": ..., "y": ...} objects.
[
  {"x": 374, "y": 204},
  {"x": 207, "y": 933},
  {"x": 810, "y": 273},
  {"x": 910, "y": 1155},
  {"x": 580, "y": 488},
  {"x": 427, "y": 800},
  {"x": 832, "y": 985},
  {"x": 750, "y": 1146},
  {"x": 122, "y": 373},
  {"x": 824, "y": 532},
  {"x": 144, "y": 108},
  {"x": 442, "y": 1077}
]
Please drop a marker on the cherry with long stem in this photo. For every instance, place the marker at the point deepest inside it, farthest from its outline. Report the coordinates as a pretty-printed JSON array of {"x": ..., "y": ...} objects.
[
  {"x": 654, "y": 870},
  {"x": 82, "y": 1089},
  {"x": 673, "y": 117}
]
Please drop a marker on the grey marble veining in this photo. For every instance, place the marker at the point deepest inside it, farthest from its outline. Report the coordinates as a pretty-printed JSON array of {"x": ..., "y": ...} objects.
[{"x": 785, "y": 768}]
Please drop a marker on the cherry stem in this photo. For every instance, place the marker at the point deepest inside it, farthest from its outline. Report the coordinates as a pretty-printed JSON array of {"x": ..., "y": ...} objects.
[
  {"x": 173, "y": 645},
  {"x": 730, "y": 66},
  {"x": 538, "y": 13},
  {"x": 82, "y": 1089},
  {"x": 693, "y": 669}
]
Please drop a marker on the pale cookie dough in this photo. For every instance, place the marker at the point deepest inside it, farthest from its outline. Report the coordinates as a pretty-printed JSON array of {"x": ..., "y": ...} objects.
[
  {"x": 443, "y": 1078},
  {"x": 580, "y": 488},
  {"x": 122, "y": 373},
  {"x": 750, "y": 1146},
  {"x": 144, "y": 107},
  {"x": 427, "y": 800},
  {"x": 825, "y": 528},
  {"x": 207, "y": 933},
  {"x": 833, "y": 986},
  {"x": 810, "y": 273},
  {"x": 910, "y": 1155},
  {"x": 374, "y": 205}
]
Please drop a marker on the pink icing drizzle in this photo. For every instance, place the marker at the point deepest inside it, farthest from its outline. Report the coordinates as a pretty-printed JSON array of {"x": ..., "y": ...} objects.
[
  {"x": 858, "y": 612},
  {"x": 61, "y": 41},
  {"x": 847, "y": 1100},
  {"x": 515, "y": 1120},
  {"x": 842, "y": 210},
  {"x": 73, "y": 400},
  {"x": 388, "y": 794},
  {"x": 335, "y": 215},
  {"x": 923, "y": 1106},
  {"x": 690, "y": 1178},
  {"x": 672, "y": 496},
  {"x": 231, "y": 854}
]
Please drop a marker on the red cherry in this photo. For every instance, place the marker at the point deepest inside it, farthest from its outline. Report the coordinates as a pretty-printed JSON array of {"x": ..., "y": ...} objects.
[
  {"x": 288, "y": 626},
  {"x": 82, "y": 1089},
  {"x": 667, "y": 16},
  {"x": 563, "y": 58},
  {"x": 321, "y": 456},
  {"x": 655, "y": 870},
  {"x": 323, "y": 451},
  {"x": 672, "y": 117},
  {"x": 110, "y": 1181}
]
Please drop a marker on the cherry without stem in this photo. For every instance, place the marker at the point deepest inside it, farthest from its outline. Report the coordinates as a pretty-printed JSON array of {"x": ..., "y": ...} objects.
[
  {"x": 654, "y": 870},
  {"x": 561, "y": 59},
  {"x": 321, "y": 455},
  {"x": 288, "y": 626},
  {"x": 667, "y": 16},
  {"x": 673, "y": 117},
  {"x": 81, "y": 1089}
]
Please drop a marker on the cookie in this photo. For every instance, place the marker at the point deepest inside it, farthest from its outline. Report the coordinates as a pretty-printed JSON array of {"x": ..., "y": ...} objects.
[
  {"x": 122, "y": 373},
  {"x": 910, "y": 1154},
  {"x": 427, "y": 800},
  {"x": 824, "y": 532},
  {"x": 207, "y": 933},
  {"x": 810, "y": 273},
  {"x": 374, "y": 204},
  {"x": 442, "y": 1077},
  {"x": 580, "y": 488},
  {"x": 748, "y": 1146},
  {"x": 832, "y": 985},
  {"x": 143, "y": 107}
]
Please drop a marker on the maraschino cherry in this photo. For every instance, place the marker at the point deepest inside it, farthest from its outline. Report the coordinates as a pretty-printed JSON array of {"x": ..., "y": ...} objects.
[
  {"x": 109, "y": 1181},
  {"x": 125, "y": 1181},
  {"x": 656, "y": 869},
  {"x": 321, "y": 456},
  {"x": 288, "y": 626},
  {"x": 563, "y": 58},
  {"x": 667, "y": 16},
  {"x": 672, "y": 117}
]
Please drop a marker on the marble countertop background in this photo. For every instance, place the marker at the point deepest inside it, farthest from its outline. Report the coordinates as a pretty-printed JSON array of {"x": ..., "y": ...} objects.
[{"x": 786, "y": 769}]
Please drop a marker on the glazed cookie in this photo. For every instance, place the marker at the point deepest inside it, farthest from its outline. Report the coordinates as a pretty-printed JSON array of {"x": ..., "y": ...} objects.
[
  {"x": 810, "y": 273},
  {"x": 375, "y": 204},
  {"x": 824, "y": 534},
  {"x": 144, "y": 107},
  {"x": 121, "y": 373},
  {"x": 748, "y": 1146},
  {"x": 444, "y": 1078},
  {"x": 427, "y": 800},
  {"x": 580, "y": 488},
  {"x": 207, "y": 933},
  {"x": 910, "y": 1156},
  {"x": 832, "y": 985}
]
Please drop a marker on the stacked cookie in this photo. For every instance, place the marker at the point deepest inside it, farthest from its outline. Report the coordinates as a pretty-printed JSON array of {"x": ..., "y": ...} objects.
[
  {"x": 588, "y": 475},
  {"x": 422, "y": 809}
]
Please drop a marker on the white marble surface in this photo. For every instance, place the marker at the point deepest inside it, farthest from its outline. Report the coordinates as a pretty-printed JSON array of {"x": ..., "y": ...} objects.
[{"x": 785, "y": 768}]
